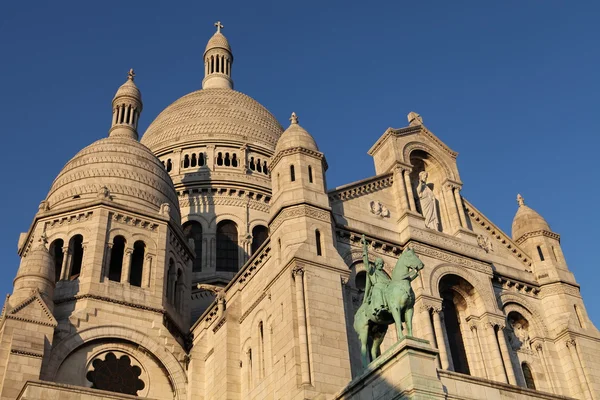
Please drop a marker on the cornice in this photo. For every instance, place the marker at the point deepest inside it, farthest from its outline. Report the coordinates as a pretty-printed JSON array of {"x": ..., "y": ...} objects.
[
  {"x": 361, "y": 188},
  {"x": 295, "y": 150},
  {"x": 541, "y": 232}
]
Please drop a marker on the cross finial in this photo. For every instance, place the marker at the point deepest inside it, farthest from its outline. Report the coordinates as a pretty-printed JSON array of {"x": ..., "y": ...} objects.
[
  {"x": 219, "y": 26},
  {"x": 294, "y": 118},
  {"x": 520, "y": 200},
  {"x": 130, "y": 74}
]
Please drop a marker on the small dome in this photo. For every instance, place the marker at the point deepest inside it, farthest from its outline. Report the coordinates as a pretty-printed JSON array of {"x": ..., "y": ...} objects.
[
  {"x": 213, "y": 114},
  {"x": 117, "y": 168},
  {"x": 129, "y": 89},
  {"x": 527, "y": 220},
  {"x": 218, "y": 41},
  {"x": 295, "y": 136}
]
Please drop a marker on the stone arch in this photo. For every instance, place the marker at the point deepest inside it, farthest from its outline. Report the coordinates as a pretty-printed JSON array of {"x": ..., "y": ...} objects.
[
  {"x": 513, "y": 302},
  {"x": 114, "y": 232},
  {"x": 412, "y": 146},
  {"x": 481, "y": 290},
  {"x": 221, "y": 217},
  {"x": 197, "y": 218},
  {"x": 62, "y": 350},
  {"x": 257, "y": 222},
  {"x": 148, "y": 241}
]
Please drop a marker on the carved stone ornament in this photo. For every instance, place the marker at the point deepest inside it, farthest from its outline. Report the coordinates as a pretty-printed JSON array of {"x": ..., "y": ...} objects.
[
  {"x": 379, "y": 209},
  {"x": 428, "y": 202},
  {"x": 414, "y": 119},
  {"x": 104, "y": 193},
  {"x": 44, "y": 206},
  {"x": 165, "y": 209},
  {"x": 485, "y": 243}
]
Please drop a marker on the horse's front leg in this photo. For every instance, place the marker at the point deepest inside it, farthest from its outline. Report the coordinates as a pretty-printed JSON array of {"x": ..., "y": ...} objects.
[
  {"x": 363, "y": 337},
  {"x": 408, "y": 316},
  {"x": 396, "y": 313}
]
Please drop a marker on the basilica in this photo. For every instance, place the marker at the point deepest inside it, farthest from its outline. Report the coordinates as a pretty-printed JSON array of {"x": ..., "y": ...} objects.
[{"x": 208, "y": 259}]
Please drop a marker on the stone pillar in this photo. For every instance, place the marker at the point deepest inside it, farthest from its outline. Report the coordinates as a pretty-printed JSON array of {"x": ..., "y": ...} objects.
[
  {"x": 409, "y": 191},
  {"x": 126, "y": 265},
  {"x": 442, "y": 341},
  {"x": 585, "y": 389},
  {"x": 115, "y": 114},
  {"x": 402, "y": 203},
  {"x": 479, "y": 351},
  {"x": 298, "y": 274},
  {"x": 64, "y": 269},
  {"x": 429, "y": 333},
  {"x": 106, "y": 267},
  {"x": 508, "y": 365},
  {"x": 451, "y": 210},
  {"x": 539, "y": 349},
  {"x": 494, "y": 353},
  {"x": 461, "y": 208},
  {"x": 147, "y": 272},
  {"x": 211, "y": 160}
]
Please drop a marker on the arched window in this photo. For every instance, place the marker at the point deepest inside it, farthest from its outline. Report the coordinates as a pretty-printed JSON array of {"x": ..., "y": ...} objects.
[
  {"x": 252, "y": 165},
  {"x": 201, "y": 159},
  {"x": 171, "y": 281},
  {"x": 265, "y": 169},
  {"x": 261, "y": 336},
  {"x": 318, "y": 242},
  {"x": 116, "y": 375},
  {"x": 76, "y": 250},
  {"x": 227, "y": 246},
  {"x": 310, "y": 179},
  {"x": 234, "y": 161},
  {"x": 194, "y": 161},
  {"x": 220, "y": 159},
  {"x": 360, "y": 280},
  {"x": 137, "y": 264},
  {"x": 116, "y": 259},
  {"x": 528, "y": 375},
  {"x": 186, "y": 161},
  {"x": 179, "y": 291},
  {"x": 292, "y": 173},
  {"x": 227, "y": 160},
  {"x": 169, "y": 165},
  {"x": 193, "y": 233},
  {"x": 259, "y": 235},
  {"x": 56, "y": 251},
  {"x": 540, "y": 253},
  {"x": 258, "y": 165},
  {"x": 455, "y": 338}
]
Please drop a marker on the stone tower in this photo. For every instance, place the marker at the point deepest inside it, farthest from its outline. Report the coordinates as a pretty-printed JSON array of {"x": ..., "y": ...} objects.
[{"x": 120, "y": 263}]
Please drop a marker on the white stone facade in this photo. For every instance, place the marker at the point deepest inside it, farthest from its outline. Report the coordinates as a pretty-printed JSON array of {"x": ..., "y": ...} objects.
[{"x": 209, "y": 261}]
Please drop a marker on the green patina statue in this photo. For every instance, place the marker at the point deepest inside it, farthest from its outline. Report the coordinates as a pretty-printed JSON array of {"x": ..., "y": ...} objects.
[{"x": 386, "y": 301}]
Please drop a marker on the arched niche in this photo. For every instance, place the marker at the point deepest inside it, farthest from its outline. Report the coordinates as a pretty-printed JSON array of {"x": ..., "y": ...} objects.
[
  {"x": 424, "y": 162},
  {"x": 483, "y": 296}
]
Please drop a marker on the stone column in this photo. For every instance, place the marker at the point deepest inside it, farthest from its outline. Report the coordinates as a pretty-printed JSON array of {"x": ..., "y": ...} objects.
[
  {"x": 126, "y": 265},
  {"x": 409, "y": 191},
  {"x": 494, "y": 352},
  {"x": 106, "y": 266},
  {"x": 539, "y": 349},
  {"x": 211, "y": 160},
  {"x": 400, "y": 191},
  {"x": 460, "y": 207},
  {"x": 64, "y": 269},
  {"x": 508, "y": 365},
  {"x": 479, "y": 350},
  {"x": 440, "y": 335},
  {"x": 585, "y": 389},
  {"x": 115, "y": 115},
  {"x": 298, "y": 274},
  {"x": 429, "y": 333},
  {"x": 147, "y": 272}
]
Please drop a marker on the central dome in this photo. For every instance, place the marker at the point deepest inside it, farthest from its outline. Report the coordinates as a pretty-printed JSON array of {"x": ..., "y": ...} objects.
[{"x": 210, "y": 114}]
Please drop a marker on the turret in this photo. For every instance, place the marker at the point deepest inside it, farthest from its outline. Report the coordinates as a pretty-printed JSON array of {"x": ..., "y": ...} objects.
[
  {"x": 531, "y": 231},
  {"x": 218, "y": 60},
  {"x": 35, "y": 274},
  {"x": 127, "y": 107}
]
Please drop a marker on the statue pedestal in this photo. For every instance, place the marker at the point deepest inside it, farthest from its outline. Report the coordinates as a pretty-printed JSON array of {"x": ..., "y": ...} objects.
[{"x": 407, "y": 370}]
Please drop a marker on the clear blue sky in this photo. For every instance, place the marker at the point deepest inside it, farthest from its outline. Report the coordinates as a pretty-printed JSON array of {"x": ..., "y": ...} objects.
[{"x": 512, "y": 86}]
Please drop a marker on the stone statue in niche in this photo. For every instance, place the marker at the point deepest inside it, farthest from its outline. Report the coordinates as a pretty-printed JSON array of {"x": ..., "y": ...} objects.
[
  {"x": 519, "y": 337},
  {"x": 379, "y": 209},
  {"x": 485, "y": 243},
  {"x": 386, "y": 301},
  {"x": 428, "y": 202}
]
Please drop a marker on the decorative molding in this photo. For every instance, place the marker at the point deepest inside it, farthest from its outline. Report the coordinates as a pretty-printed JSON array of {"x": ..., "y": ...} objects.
[
  {"x": 450, "y": 258},
  {"x": 210, "y": 353},
  {"x": 220, "y": 324},
  {"x": 302, "y": 210},
  {"x": 379, "y": 209},
  {"x": 137, "y": 222},
  {"x": 252, "y": 307},
  {"x": 376, "y": 246},
  {"x": 361, "y": 188},
  {"x": 541, "y": 232},
  {"x": 68, "y": 219},
  {"x": 26, "y": 353},
  {"x": 559, "y": 288},
  {"x": 255, "y": 262},
  {"x": 496, "y": 233},
  {"x": 296, "y": 150},
  {"x": 514, "y": 285}
]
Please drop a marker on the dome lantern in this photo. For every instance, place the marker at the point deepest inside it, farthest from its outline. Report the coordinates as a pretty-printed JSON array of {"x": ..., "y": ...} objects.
[
  {"x": 127, "y": 107},
  {"x": 218, "y": 60}
]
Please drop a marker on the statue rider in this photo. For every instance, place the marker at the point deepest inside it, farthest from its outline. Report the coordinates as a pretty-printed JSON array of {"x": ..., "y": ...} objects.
[{"x": 376, "y": 283}]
